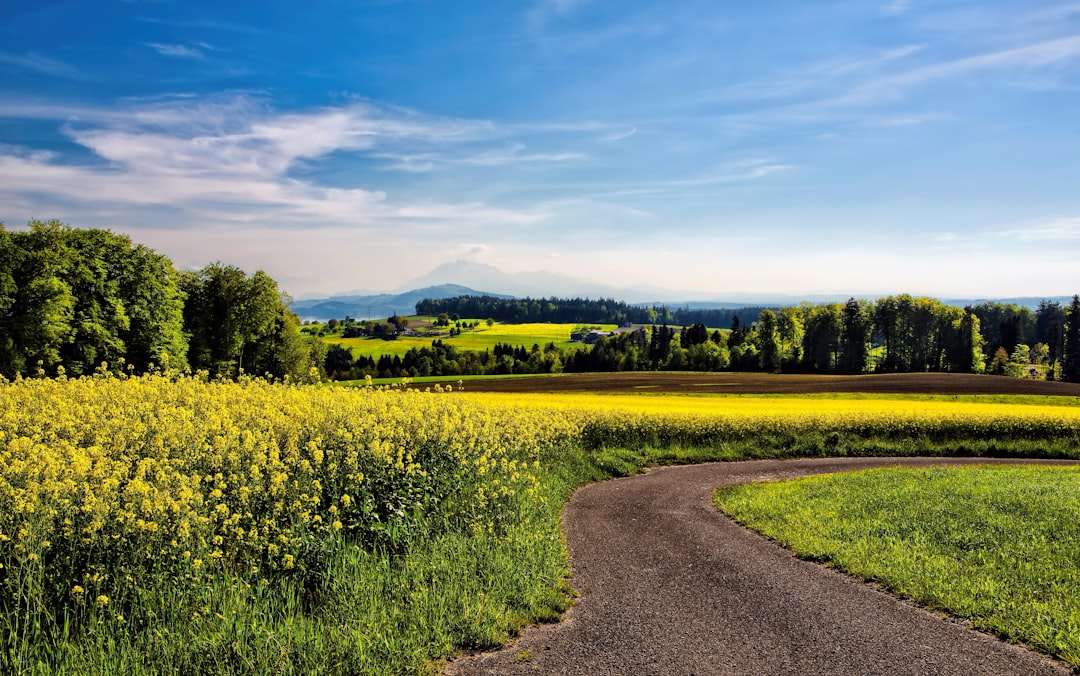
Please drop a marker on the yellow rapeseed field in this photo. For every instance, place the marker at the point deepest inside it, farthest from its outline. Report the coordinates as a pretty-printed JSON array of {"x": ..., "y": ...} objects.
[
  {"x": 107, "y": 478},
  {"x": 616, "y": 418}
]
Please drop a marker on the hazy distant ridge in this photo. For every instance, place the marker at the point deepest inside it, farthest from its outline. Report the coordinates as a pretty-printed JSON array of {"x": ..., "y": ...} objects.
[
  {"x": 463, "y": 278},
  {"x": 378, "y": 306}
]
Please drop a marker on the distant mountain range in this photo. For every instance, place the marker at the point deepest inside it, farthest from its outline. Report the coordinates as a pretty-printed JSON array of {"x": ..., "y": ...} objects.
[
  {"x": 539, "y": 284},
  {"x": 379, "y": 305},
  {"x": 465, "y": 278}
]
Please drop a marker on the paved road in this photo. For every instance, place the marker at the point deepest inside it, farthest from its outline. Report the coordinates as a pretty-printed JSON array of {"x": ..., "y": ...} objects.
[{"x": 670, "y": 586}]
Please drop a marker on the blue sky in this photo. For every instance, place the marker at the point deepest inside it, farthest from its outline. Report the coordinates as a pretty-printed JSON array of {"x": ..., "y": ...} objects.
[{"x": 835, "y": 146}]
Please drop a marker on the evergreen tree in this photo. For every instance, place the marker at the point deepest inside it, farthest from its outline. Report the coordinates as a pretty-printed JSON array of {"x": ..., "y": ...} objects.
[
  {"x": 821, "y": 339},
  {"x": 1050, "y": 329},
  {"x": 660, "y": 345},
  {"x": 855, "y": 336},
  {"x": 1070, "y": 367}
]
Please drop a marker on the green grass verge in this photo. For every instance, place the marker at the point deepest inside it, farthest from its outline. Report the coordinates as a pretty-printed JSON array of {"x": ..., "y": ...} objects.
[{"x": 997, "y": 545}]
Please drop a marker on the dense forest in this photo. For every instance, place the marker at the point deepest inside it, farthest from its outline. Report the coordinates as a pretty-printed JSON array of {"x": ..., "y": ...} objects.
[
  {"x": 578, "y": 311},
  {"x": 892, "y": 334},
  {"x": 72, "y": 300}
]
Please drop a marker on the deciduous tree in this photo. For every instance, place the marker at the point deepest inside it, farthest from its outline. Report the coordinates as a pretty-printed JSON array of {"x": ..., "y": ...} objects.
[
  {"x": 768, "y": 342},
  {"x": 227, "y": 313}
]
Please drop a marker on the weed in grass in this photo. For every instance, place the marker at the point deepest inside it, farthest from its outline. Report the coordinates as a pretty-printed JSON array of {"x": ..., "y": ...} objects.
[{"x": 523, "y": 657}]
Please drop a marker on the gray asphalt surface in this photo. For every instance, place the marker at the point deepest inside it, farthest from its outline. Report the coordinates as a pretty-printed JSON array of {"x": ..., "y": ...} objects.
[{"x": 668, "y": 585}]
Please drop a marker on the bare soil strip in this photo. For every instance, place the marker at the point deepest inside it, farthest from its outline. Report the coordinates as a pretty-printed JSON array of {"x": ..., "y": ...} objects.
[
  {"x": 668, "y": 585},
  {"x": 767, "y": 383}
]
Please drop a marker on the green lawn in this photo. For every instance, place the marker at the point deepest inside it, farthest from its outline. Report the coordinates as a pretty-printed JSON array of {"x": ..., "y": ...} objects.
[{"x": 998, "y": 545}]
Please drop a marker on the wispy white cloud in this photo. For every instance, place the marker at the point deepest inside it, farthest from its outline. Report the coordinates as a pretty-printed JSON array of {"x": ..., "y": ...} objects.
[
  {"x": 732, "y": 172},
  {"x": 620, "y": 135},
  {"x": 745, "y": 170},
  {"x": 179, "y": 51},
  {"x": 223, "y": 26},
  {"x": 475, "y": 213},
  {"x": 813, "y": 77},
  {"x": 1032, "y": 56},
  {"x": 472, "y": 252},
  {"x": 896, "y": 7},
  {"x": 603, "y": 198},
  {"x": 607, "y": 131},
  {"x": 230, "y": 159},
  {"x": 1053, "y": 14},
  {"x": 499, "y": 157},
  {"x": 544, "y": 11},
  {"x": 1056, "y": 229},
  {"x": 37, "y": 63},
  {"x": 561, "y": 7},
  {"x": 883, "y": 57},
  {"x": 901, "y": 120}
]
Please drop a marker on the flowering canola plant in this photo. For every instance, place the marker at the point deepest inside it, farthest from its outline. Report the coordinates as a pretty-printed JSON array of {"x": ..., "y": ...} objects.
[
  {"x": 103, "y": 479},
  {"x": 619, "y": 419},
  {"x": 107, "y": 480}
]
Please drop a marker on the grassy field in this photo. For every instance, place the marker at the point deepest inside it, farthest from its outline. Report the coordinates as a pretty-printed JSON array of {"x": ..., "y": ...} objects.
[
  {"x": 481, "y": 338},
  {"x": 998, "y": 545},
  {"x": 170, "y": 524}
]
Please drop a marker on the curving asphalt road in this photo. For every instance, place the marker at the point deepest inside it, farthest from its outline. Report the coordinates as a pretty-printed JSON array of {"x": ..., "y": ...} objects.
[{"x": 668, "y": 585}]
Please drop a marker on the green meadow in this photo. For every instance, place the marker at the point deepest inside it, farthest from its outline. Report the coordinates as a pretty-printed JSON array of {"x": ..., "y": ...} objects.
[{"x": 480, "y": 338}]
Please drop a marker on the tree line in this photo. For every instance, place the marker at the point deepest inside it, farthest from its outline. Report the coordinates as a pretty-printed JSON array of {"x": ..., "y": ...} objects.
[
  {"x": 577, "y": 311},
  {"x": 893, "y": 334},
  {"x": 80, "y": 298}
]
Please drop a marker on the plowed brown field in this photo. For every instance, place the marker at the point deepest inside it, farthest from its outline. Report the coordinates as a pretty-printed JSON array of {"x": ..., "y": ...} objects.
[{"x": 764, "y": 383}]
